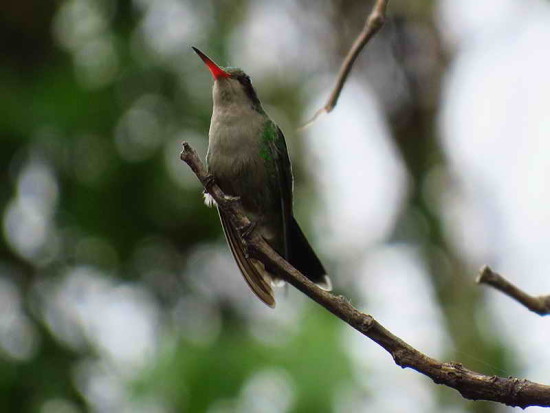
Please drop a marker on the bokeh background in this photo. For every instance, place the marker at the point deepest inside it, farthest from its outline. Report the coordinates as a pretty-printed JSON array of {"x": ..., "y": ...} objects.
[{"x": 117, "y": 291}]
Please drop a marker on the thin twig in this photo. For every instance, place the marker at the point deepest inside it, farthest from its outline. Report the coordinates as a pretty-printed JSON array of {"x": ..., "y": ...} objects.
[
  {"x": 470, "y": 384},
  {"x": 539, "y": 305},
  {"x": 373, "y": 24}
]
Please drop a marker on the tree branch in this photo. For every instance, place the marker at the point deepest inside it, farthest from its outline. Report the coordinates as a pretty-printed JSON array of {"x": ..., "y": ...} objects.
[
  {"x": 539, "y": 305},
  {"x": 375, "y": 21},
  {"x": 471, "y": 385}
]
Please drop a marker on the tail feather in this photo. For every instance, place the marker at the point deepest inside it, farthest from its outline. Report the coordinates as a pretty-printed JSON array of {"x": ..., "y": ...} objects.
[
  {"x": 253, "y": 271},
  {"x": 304, "y": 259}
]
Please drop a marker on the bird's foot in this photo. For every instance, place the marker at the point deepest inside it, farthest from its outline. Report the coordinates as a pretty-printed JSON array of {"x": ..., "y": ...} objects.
[
  {"x": 231, "y": 198},
  {"x": 208, "y": 182},
  {"x": 246, "y": 250},
  {"x": 247, "y": 230}
]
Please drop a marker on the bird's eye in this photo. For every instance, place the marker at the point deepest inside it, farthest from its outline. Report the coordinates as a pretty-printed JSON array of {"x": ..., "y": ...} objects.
[{"x": 245, "y": 81}]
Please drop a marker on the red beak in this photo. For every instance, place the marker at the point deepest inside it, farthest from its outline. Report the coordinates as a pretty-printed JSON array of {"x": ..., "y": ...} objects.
[{"x": 216, "y": 71}]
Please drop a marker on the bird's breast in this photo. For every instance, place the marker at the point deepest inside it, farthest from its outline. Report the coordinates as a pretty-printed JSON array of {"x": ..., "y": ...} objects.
[{"x": 234, "y": 154}]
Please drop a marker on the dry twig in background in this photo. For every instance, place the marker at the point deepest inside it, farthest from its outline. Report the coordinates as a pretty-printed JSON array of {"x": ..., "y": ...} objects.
[
  {"x": 539, "y": 305},
  {"x": 471, "y": 385},
  {"x": 373, "y": 24}
]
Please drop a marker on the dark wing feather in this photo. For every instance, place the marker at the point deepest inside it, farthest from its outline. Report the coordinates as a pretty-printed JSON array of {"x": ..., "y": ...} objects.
[
  {"x": 284, "y": 182},
  {"x": 253, "y": 271},
  {"x": 297, "y": 249},
  {"x": 303, "y": 258}
]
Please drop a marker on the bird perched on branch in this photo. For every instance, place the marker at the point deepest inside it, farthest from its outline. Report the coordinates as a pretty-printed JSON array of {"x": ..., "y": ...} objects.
[{"x": 248, "y": 158}]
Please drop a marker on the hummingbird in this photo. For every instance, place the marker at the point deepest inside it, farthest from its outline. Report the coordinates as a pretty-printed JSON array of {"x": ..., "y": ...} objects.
[{"x": 248, "y": 158}]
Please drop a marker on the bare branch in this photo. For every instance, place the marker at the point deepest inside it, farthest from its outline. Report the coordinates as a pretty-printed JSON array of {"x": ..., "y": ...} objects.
[
  {"x": 539, "y": 305},
  {"x": 373, "y": 24},
  {"x": 471, "y": 385}
]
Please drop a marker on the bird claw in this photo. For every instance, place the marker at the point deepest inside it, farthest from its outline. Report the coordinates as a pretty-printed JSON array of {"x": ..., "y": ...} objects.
[
  {"x": 246, "y": 251},
  {"x": 231, "y": 198},
  {"x": 209, "y": 181},
  {"x": 247, "y": 230}
]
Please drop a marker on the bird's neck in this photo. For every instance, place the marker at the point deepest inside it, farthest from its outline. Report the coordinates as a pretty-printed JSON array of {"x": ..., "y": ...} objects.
[
  {"x": 235, "y": 125},
  {"x": 231, "y": 114}
]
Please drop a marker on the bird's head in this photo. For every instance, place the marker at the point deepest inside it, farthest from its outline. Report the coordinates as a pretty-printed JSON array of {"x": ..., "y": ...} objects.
[{"x": 232, "y": 86}]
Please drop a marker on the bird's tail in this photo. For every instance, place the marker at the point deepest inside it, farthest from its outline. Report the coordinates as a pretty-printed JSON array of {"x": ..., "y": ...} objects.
[{"x": 303, "y": 258}]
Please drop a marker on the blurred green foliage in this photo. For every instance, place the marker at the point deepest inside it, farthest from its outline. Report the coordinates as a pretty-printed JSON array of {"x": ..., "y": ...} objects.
[
  {"x": 108, "y": 137},
  {"x": 312, "y": 360},
  {"x": 92, "y": 115}
]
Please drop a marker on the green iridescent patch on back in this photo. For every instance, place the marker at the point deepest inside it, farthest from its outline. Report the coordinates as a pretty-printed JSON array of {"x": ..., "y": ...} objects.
[
  {"x": 264, "y": 153},
  {"x": 270, "y": 132},
  {"x": 269, "y": 136}
]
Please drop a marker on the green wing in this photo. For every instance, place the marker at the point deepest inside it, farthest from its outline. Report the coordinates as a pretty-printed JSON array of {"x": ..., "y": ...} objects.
[
  {"x": 298, "y": 251},
  {"x": 275, "y": 152}
]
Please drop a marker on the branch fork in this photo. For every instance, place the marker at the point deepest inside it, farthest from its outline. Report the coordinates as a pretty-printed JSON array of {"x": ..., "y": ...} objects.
[{"x": 373, "y": 23}]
